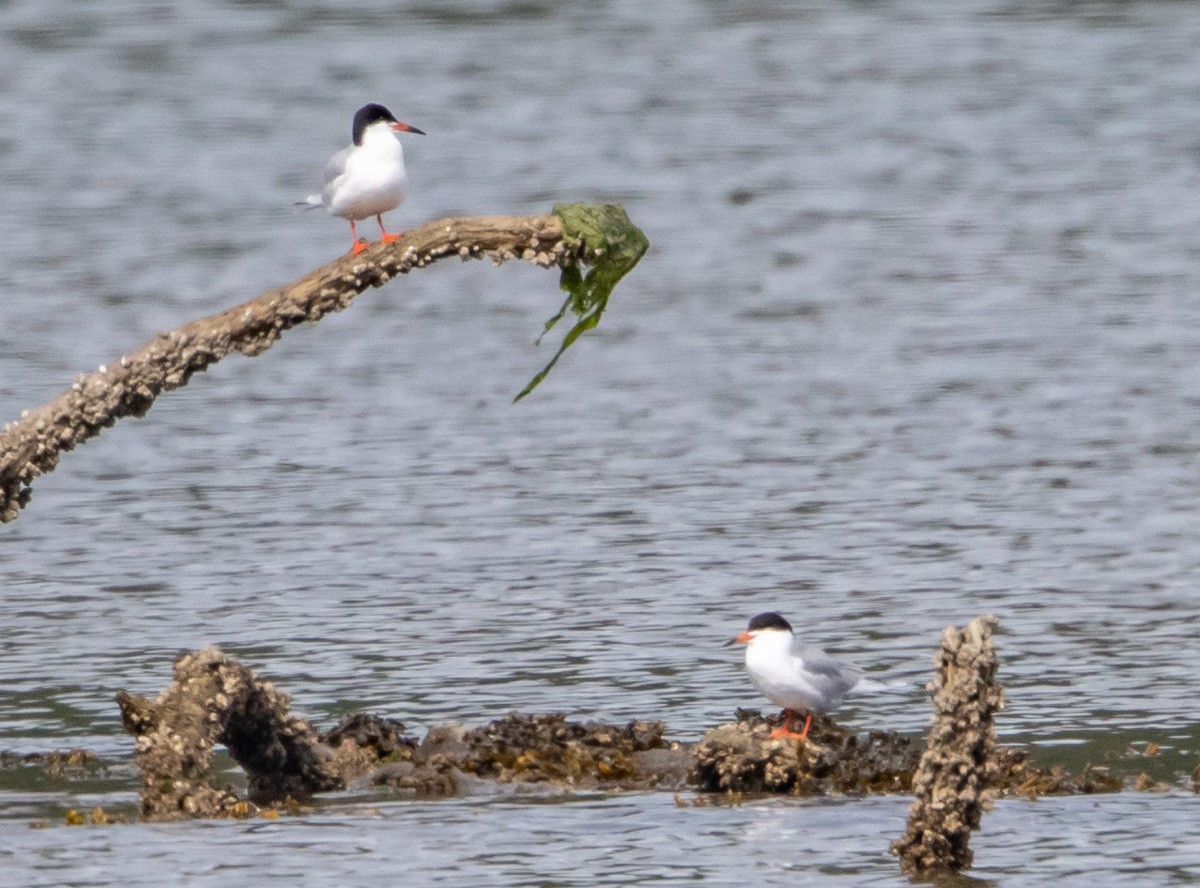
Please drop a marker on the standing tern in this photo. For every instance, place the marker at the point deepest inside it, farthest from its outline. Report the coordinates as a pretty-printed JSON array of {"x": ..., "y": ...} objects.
[
  {"x": 808, "y": 680},
  {"x": 367, "y": 177}
]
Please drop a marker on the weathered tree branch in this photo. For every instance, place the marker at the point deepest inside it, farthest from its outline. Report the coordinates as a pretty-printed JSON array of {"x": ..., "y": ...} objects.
[{"x": 128, "y": 386}]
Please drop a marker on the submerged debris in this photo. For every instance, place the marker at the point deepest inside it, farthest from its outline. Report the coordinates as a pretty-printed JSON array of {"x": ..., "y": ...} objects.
[
  {"x": 1016, "y": 776},
  {"x": 741, "y": 757},
  {"x": 215, "y": 700},
  {"x": 96, "y": 817},
  {"x": 361, "y": 741},
  {"x": 58, "y": 765},
  {"x": 959, "y": 763}
]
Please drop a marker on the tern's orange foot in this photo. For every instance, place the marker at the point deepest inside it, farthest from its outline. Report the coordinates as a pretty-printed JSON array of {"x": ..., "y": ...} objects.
[
  {"x": 781, "y": 734},
  {"x": 359, "y": 246},
  {"x": 390, "y": 238}
]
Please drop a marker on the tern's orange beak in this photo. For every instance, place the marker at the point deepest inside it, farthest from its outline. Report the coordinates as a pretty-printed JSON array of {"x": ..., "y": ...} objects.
[
  {"x": 744, "y": 638},
  {"x": 405, "y": 128}
]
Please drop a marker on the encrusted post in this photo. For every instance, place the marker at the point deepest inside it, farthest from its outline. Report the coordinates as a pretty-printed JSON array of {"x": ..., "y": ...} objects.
[
  {"x": 959, "y": 761},
  {"x": 216, "y": 700}
]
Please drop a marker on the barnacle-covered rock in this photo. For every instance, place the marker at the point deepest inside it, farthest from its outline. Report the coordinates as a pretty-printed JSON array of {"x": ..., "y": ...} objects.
[
  {"x": 742, "y": 757},
  {"x": 214, "y": 700}
]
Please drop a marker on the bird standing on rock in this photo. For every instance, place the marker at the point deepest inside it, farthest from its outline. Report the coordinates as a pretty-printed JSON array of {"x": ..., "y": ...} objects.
[
  {"x": 367, "y": 178},
  {"x": 807, "y": 681}
]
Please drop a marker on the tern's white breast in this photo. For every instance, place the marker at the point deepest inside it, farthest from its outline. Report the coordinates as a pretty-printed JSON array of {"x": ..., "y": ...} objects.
[
  {"x": 781, "y": 676},
  {"x": 372, "y": 178}
]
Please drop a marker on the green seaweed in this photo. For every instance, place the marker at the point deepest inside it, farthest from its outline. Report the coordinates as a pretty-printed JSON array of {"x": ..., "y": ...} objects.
[{"x": 600, "y": 236}]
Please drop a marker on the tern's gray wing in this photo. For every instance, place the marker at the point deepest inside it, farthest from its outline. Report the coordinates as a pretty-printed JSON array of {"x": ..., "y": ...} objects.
[
  {"x": 333, "y": 169},
  {"x": 834, "y": 677}
]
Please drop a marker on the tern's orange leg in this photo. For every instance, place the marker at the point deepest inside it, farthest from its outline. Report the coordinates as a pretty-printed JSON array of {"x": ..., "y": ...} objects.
[
  {"x": 359, "y": 245},
  {"x": 786, "y": 731},
  {"x": 387, "y": 238}
]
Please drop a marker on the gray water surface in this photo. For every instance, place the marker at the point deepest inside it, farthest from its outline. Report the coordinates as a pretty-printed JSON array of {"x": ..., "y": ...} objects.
[{"x": 916, "y": 340}]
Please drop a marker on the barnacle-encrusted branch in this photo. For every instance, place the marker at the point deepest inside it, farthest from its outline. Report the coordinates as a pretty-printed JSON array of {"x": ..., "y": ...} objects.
[{"x": 31, "y": 445}]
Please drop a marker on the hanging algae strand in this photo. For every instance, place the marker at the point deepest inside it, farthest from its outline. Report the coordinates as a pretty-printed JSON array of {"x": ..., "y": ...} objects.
[{"x": 603, "y": 237}]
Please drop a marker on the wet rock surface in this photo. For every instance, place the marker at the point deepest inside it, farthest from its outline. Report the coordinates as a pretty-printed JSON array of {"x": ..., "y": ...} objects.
[
  {"x": 383, "y": 736},
  {"x": 429, "y": 769}
]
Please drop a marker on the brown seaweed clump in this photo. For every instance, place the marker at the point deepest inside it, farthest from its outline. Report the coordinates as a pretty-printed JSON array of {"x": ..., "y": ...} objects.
[
  {"x": 741, "y": 757},
  {"x": 548, "y": 748},
  {"x": 538, "y": 749}
]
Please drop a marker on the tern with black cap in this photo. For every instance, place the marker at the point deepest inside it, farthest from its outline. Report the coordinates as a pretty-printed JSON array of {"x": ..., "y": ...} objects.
[
  {"x": 367, "y": 178},
  {"x": 807, "y": 680}
]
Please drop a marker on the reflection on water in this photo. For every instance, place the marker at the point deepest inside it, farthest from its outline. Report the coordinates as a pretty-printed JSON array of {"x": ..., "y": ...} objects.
[{"x": 914, "y": 341}]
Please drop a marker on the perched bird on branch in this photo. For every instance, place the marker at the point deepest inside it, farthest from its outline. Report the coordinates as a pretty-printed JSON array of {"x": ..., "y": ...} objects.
[{"x": 366, "y": 178}]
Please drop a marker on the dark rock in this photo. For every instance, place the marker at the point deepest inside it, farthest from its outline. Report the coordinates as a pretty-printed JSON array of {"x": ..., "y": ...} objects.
[
  {"x": 384, "y": 736},
  {"x": 665, "y": 768},
  {"x": 446, "y": 741},
  {"x": 435, "y": 777}
]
